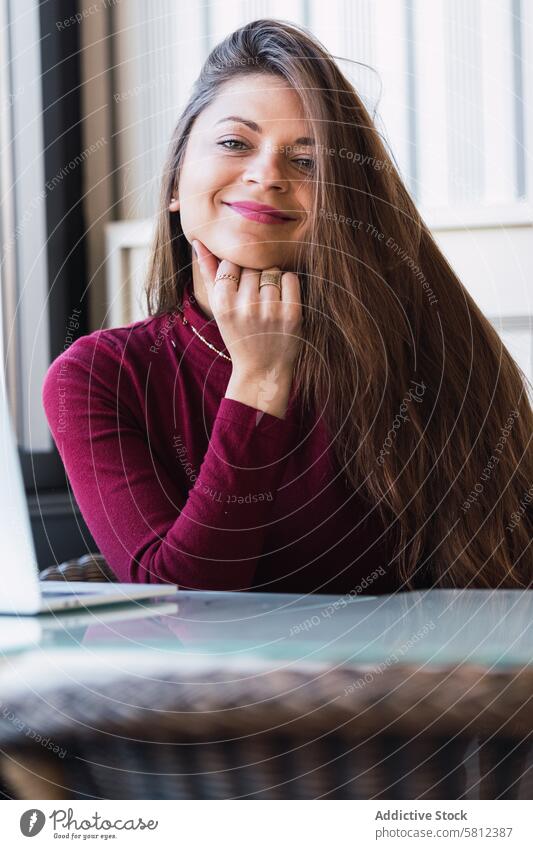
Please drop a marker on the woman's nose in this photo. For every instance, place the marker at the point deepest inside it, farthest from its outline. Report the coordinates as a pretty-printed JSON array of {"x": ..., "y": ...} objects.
[{"x": 266, "y": 170}]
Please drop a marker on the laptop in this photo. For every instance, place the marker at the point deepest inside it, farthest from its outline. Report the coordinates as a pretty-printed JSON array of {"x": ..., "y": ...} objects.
[
  {"x": 21, "y": 591},
  {"x": 24, "y": 632}
]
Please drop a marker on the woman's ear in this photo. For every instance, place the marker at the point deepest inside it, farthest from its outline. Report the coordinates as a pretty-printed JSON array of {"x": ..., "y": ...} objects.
[{"x": 174, "y": 205}]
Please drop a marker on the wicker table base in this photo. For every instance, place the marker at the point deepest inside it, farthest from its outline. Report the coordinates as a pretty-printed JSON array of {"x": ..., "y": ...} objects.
[
  {"x": 384, "y": 768},
  {"x": 411, "y": 733}
]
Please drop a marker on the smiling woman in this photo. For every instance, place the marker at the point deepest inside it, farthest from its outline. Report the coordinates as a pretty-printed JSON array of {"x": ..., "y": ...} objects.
[
  {"x": 253, "y": 167},
  {"x": 344, "y": 370}
]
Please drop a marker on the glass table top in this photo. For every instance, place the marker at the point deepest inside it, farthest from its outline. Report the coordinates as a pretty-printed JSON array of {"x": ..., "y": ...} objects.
[{"x": 488, "y": 627}]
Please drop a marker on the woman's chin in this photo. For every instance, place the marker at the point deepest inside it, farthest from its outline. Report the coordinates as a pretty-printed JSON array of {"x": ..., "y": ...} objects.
[{"x": 247, "y": 257}]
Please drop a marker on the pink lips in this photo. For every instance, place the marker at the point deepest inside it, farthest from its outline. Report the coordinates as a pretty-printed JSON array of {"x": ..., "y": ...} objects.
[{"x": 260, "y": 212}]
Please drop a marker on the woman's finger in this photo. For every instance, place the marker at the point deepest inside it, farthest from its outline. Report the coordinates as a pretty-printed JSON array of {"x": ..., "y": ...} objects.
[
  {"x": 207, "y": 263},
  {"x": 290, "y": 289},
  {"x": 225, "y": 275},
  {"x": 248, "y": 287}
]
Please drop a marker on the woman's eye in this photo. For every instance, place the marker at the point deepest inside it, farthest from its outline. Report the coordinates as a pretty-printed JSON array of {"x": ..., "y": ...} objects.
[
  {"x": 308, "y": 163},
  {"x": 231, "y": 141}
]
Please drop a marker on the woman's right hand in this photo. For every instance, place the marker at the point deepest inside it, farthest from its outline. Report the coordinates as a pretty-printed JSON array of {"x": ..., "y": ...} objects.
[{"x": 261, "y": 330}]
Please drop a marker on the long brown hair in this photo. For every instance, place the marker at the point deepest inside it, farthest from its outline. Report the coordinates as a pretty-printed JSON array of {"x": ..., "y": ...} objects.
[{"x": 427, "y": 411}]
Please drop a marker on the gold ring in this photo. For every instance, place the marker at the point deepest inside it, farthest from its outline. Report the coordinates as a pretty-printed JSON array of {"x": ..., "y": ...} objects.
[
  {"x": 270, "y": 277},
  {"x": 229, "y": 276}
]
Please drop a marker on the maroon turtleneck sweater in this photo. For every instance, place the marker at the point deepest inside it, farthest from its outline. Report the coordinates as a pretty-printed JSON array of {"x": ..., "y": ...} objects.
[{"x": 178, "y": 483}]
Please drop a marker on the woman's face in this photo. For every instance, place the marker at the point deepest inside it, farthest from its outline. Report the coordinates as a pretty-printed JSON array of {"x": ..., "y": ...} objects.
[{"x": 228, "y": 161}]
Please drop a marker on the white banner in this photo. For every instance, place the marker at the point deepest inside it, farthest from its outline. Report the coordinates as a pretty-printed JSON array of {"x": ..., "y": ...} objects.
[{"x": 247, "y": 824}]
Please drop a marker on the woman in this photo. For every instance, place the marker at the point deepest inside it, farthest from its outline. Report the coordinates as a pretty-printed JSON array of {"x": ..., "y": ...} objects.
[{"x": 316, "y": 404}]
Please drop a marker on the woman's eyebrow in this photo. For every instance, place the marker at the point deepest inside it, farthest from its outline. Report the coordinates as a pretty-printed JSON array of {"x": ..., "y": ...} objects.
[{"x": 306, "y": 140}]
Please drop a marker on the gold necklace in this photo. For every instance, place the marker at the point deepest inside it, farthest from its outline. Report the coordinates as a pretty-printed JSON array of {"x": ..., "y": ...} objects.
[{"x": 209, "y": 345}]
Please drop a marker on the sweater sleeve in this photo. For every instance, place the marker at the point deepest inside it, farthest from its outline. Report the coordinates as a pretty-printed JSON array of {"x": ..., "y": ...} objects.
[{"x": 149, "y": 527}]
